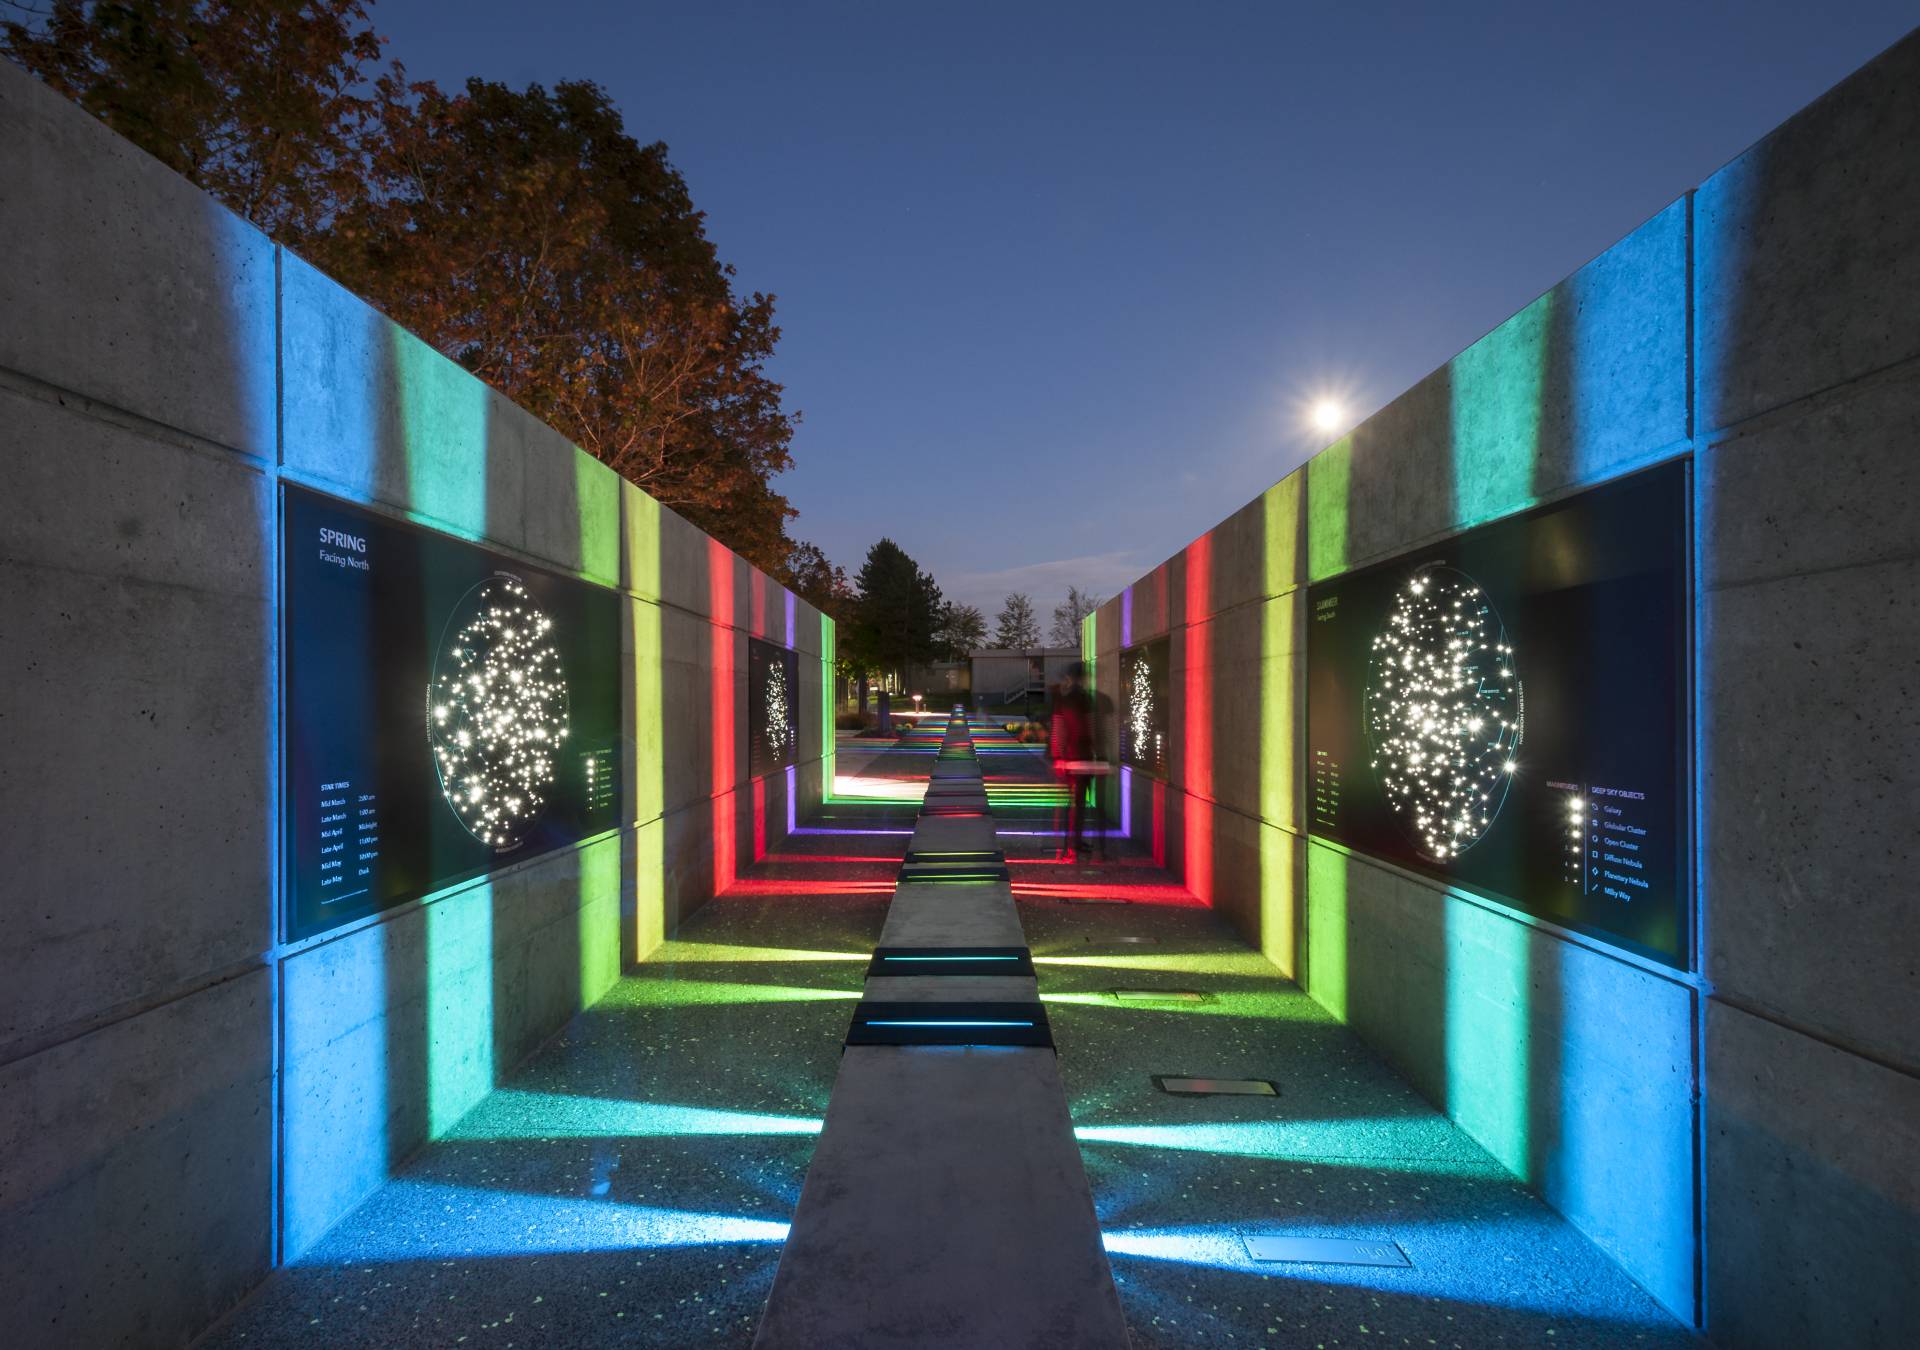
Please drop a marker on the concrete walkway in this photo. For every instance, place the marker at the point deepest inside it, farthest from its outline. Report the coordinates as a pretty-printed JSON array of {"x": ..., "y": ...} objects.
[
  {"x": 634, "y": 1183},
  {"x": 947, "y": 1205}
]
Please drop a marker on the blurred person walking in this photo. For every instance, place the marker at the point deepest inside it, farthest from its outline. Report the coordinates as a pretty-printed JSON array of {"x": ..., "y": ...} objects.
[{"x": 1070, "y": 746}]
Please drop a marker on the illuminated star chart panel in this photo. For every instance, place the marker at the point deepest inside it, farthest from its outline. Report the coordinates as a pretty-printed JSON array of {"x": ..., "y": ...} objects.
[
  {"x": 773, "y": 707},
  {"x": 1507, "y": 711},
  {"x": 1143, "y": 702},
  {"x": 446, "y": 711}
]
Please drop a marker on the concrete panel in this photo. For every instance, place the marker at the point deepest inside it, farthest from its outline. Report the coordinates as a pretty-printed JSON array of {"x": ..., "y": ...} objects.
[
  {"x": 1825, "y": 484},
  {"x": 1400, "y": 473},
  {"x": 1238, "y": 556},
  {"x": 936, "y": 916},
  {"x": 354, "y": 1069},
  {"x": 986, "y": 1236},
  {"x": 811, "y": 715},
  {"x": 374, "y": 414},
  {"x": 686, "y": 577},
  {"x": 1615, "y": 379},
  {"x": 1145, "y": 606},
  {"x": 1548, "y": 1046},
  {"x": 572, "y": 504},
  {"x": 763, "y": 615},
  {"x": 137, "y": 783},
  {"x": 688, "y": 854},
  {"x": 136, "y": 1174},
  {"x": 394, "y": 1031},
  {"x": 1807, "y": 261},
  {"x": 806, "y": 628},
  {"x": 1812, "y": 1191},
  {"x": 951, "y": 989},
  {"x": 687, "y": 707},
  {"x": 639, "y": 542},
  {"x": 1586, "y": 381},
  {"x": 125, "y": 283},
  {"x": 87, "y": 496},
  {"x": 1809, "y": 781},
  {"x": 1235, "y": 892},
  {"x": 1607, "y": 1043},
  {"x": 1281, "y": 907},
  {"x": 643, "y": 913},
  {"x": 1234, "y": 643},
  {"x": 557, "y": 937}
]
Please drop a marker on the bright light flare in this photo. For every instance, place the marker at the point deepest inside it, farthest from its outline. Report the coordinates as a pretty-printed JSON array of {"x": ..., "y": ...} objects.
[{"x": 1328, "y": 415}]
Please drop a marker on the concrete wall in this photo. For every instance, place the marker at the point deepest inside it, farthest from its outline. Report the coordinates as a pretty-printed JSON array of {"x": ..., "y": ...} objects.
[
  {"x": 185, "y": 1098},
  {"x": 1742, "y": 1137}
]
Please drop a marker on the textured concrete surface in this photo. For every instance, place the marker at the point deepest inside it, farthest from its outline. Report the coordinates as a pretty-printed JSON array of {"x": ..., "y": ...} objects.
[
  {"x": 134, "y": 659},
  {"x": 1812, "y": 682},
  {"x": 135, "y": 1178},
  {"x": 1807, "y": 260},
  {"x": 944, "y": 916},
  {"x": 946, "y": 1206},
  {"x": 374, "y": 414},
  {"x": 126, "y": 284},
  {"x": 1808, "y": 520},
  {"x": 1813, "y": 1186},
  {"x": 1823, "y": 484}
]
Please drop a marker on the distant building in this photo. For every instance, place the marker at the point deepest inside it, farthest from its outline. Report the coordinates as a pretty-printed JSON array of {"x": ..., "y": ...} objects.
[{"x": 1006, "y": 677}]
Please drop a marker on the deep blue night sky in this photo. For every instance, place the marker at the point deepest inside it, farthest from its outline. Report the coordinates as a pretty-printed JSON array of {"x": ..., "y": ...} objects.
[{"x": 1057, "y": 280}]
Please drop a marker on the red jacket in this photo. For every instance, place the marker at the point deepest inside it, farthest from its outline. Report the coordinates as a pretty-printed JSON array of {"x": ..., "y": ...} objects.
[{"x": 1070, "y": 733}]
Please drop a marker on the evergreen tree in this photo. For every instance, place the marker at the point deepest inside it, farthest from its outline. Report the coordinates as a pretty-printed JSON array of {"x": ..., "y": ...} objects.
[
  {"x": 895, "y": 614},
  {"x": 1016, "y": 629}
]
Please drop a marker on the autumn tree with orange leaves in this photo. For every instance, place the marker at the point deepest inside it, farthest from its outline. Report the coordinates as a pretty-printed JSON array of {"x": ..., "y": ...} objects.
[
  {"x": 523, "y": 233},
  {"x": 526, "y": 235}
]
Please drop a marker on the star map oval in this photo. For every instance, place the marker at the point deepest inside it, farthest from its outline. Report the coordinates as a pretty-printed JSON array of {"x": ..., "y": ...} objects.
[
  {"x": 1444, "y": 710},
  {"x": 497, "y": 711}
]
